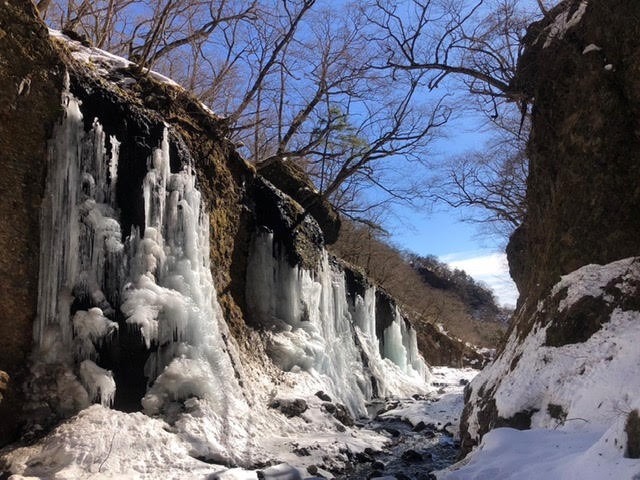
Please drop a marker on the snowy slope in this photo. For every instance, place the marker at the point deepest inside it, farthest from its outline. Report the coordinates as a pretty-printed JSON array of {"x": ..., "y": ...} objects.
[{"x": 578, "y": 393}]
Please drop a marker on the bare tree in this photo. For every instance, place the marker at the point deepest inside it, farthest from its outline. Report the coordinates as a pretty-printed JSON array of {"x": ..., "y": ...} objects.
[
  {"x": 479, "y": 41},
  {"x": 476, "y": 44},
  {"x": 489, "y": 183},
  {"x": 340, "y": 90}
]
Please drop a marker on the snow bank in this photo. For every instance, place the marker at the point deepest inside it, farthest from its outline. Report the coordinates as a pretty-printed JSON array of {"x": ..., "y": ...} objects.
[
  {"x": 581, "y": 391},
  {"x": 103, "y": 444},
  {"x": 510, "y": 454}
]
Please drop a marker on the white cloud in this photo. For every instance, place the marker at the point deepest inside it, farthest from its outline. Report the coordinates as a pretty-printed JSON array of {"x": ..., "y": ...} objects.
[{"x": 489, "y": 268}]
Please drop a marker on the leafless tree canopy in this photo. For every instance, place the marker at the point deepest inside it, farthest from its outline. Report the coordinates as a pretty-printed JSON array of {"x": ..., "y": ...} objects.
[{"x": 342, "y": 88}]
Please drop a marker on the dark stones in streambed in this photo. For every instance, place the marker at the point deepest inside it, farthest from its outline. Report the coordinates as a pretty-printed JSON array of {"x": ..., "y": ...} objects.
[
  {"x": 323, "y": 396},
  {"x": 410, "y": 455},
  {"x": 339, "y": 412},
  {"x": 290, "y": 408}
]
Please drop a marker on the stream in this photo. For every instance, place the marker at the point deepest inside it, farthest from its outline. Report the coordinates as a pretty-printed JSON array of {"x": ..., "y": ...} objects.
[{"x": 423, "y": 432}]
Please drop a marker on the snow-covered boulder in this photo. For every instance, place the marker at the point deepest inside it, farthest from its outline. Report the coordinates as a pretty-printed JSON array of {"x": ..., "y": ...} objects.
[{"x": 576, "y": 370}]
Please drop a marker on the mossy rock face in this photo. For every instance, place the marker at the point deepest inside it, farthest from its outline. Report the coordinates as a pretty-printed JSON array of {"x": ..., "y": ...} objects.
[
  {"x": 31, "y": 74},
  {"x": 292, "y": 227},
  {"x": 438, "y": 348},
  {"x": 582, "y": 191},
  {"x": 292, "y": 180}
]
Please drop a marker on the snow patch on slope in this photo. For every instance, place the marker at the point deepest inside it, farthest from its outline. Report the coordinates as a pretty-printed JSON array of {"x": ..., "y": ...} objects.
[{"x": 581, "y": 392}]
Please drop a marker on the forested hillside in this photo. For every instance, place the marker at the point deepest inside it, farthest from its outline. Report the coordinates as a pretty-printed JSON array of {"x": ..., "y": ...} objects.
[{"x": 429, "y": 291}]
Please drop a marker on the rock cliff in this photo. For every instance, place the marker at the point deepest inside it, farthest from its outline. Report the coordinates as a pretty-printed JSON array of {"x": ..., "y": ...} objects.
[
  {"x": 580, "y": 71},
  {"x": 31, "y": 79}
]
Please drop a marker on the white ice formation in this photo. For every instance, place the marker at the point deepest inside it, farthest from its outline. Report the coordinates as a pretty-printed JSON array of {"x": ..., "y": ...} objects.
[
  {"x": 81, "y": 251},
  {"x": 99, "y": 283},
  {"x": 314, "y": 327}
]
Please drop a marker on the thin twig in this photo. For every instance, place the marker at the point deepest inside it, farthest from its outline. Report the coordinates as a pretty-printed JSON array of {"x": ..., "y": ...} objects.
[{"x": 108, "y": 453}]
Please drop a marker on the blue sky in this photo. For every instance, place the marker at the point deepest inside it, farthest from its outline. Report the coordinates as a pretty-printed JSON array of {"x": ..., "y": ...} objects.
[{"x": 443, "y": 233}]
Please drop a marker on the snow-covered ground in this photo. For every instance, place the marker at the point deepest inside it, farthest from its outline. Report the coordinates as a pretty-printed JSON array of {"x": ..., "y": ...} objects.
[
  {"x": 100, "y": 443},
  {"x": 509, "y": 454},
  {"x": 580, "y": 393}
]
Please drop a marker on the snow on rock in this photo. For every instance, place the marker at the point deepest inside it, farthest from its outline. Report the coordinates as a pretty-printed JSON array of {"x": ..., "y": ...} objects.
[
  {"x": 442, "y": 411},
  {"x": 104, "y": 62},
  {"x": 578, "y": 388},
  {"x": 510, "y": 454},
  {"x": 566, "y": 20}
]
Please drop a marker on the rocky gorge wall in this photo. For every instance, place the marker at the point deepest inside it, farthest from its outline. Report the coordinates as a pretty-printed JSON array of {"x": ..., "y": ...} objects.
[
  {"x": 31, "y": 79},
  {"x": 580, "y": 70}
]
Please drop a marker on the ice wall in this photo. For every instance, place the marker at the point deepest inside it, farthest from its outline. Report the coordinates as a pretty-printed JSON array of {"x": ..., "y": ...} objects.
[
  {"x": 313, "y": 327},
  {"x": 94, "y": 282},
  {"x": 81, "y": 255},
  {"x": 103, "y": 289}
]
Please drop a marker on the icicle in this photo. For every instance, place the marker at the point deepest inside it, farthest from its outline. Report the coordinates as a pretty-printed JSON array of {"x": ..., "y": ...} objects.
[
  {"x": 98, "y": 382},
  {"x": 80, "y": 241},
  {"x": 393, "y": 348},
  {"x": 313, "y": 328}
]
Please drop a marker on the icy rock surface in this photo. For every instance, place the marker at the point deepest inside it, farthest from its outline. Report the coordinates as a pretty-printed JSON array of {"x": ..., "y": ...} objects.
[{"x": 313, "y": 327}]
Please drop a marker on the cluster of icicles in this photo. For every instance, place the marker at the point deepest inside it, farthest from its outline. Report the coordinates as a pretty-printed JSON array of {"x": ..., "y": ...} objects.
[{"x": 157, "y": 279}]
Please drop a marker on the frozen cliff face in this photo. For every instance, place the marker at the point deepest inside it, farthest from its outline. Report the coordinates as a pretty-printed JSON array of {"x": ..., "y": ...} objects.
[
  {"x": 95, "y": 281},
  {"x": 81, "y": 258},
  {"x": 313, "y": 324},
  {"x": 128, "y": 313},
  {"x": 113, "y": 301},
  {"x": 577, "y": 371}
]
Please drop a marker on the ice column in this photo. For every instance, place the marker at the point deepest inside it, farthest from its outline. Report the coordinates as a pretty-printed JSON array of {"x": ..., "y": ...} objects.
[
  {"x": 80, "y": 242},
  {"x": 170, "y": 294}
]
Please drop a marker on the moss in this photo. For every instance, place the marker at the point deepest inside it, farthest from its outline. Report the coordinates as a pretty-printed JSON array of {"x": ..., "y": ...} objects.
[{"x": 291, "y": 179}]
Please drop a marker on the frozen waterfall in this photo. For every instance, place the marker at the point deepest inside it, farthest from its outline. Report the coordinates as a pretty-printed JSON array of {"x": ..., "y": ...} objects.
[
  {"x": 313, "y": 327},
  {"x": 159, "y": 276},
  {"x": 107, "y": 295}
]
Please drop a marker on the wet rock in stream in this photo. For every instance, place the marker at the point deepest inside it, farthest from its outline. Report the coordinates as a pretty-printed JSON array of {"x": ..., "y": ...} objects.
[{"x": 412, "y": 454}]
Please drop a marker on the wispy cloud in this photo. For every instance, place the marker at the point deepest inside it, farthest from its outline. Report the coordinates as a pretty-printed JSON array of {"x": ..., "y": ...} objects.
[{"x": 489, "y": 268}]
